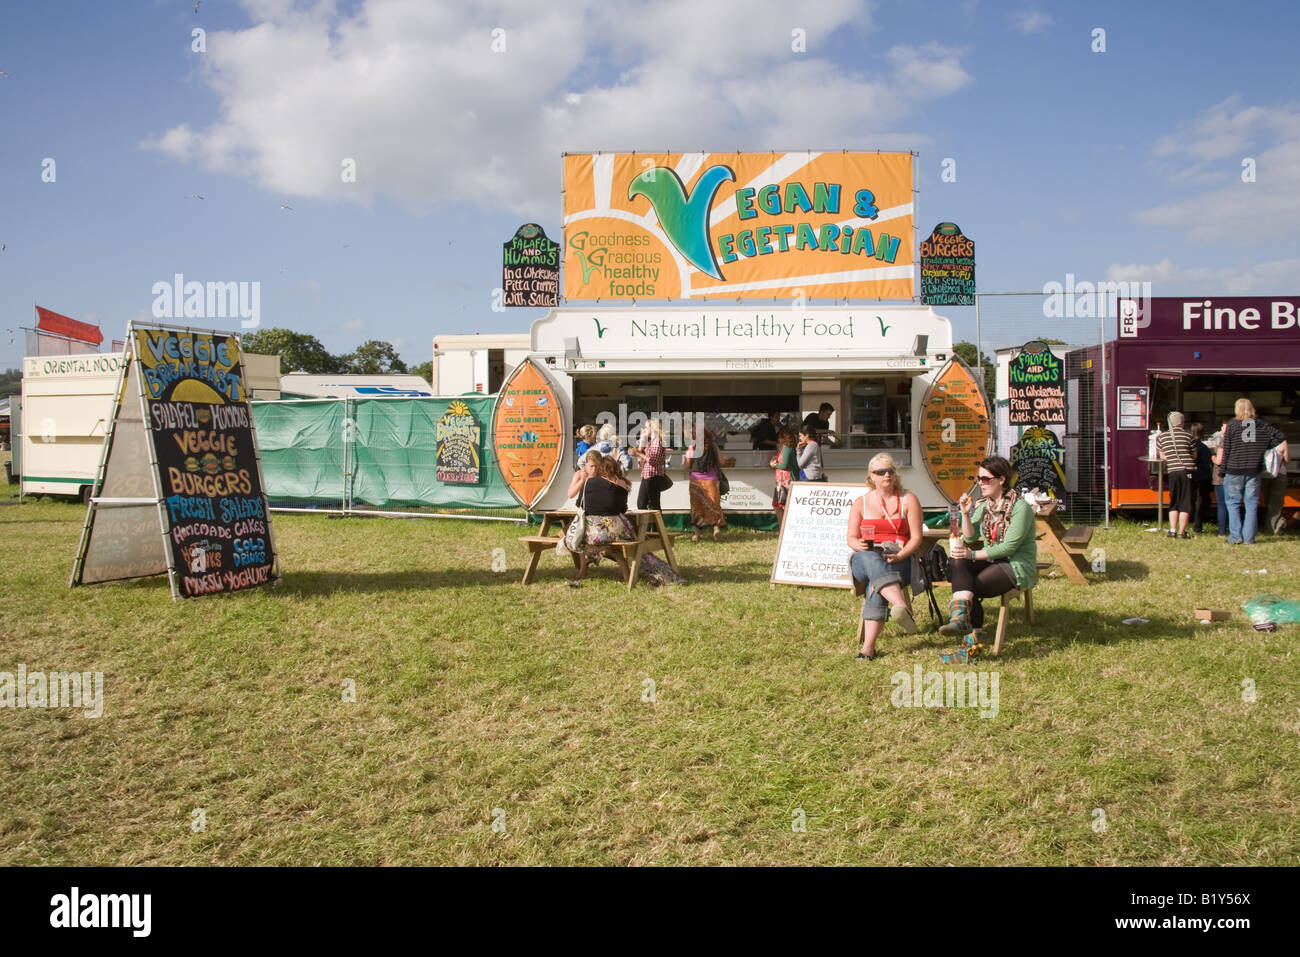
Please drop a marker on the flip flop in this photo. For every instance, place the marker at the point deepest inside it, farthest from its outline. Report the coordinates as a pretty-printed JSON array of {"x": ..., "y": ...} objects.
[{"x": 900, "y": 616}]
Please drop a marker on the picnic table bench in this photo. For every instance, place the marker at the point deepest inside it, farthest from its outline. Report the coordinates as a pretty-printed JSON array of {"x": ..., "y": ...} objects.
[{"x": 652, "y": 535}]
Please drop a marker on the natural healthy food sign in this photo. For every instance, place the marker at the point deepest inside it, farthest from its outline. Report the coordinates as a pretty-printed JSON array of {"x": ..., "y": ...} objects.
[{"x": 738, "y": 225}]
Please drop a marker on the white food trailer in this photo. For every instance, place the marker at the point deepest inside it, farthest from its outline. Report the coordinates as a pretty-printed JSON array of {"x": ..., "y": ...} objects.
[
  {"x": 734, "y": 364},
  {"x": 66, "y": 402}
]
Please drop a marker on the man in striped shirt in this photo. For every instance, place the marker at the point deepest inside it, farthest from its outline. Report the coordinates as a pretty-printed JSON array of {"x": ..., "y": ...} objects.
[{"x": 1178, "y": 449}]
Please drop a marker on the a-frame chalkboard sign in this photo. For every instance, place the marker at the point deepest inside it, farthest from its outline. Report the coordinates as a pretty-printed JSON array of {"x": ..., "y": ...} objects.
[{"x": 179, "y": 488}]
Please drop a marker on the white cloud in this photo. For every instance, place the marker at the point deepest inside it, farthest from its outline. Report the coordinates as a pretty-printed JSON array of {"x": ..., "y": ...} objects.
[
  {"x": 1030, "y": 21},
  {"x": 1214, "y": 146},
  {"x": 1244, "y": 279},
  {"x": 413, "y": 92}
]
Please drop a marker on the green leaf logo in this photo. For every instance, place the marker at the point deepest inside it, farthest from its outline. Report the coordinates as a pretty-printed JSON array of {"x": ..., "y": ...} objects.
[{"x": 685, "y": 221}]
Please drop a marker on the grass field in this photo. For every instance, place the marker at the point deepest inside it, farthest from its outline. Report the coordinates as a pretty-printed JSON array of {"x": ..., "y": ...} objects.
[{"x": 479, "y": 701}]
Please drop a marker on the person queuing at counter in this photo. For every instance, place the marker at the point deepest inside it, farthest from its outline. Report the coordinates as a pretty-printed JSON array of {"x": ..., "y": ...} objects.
[
  {"x": 1009, "y": 558},
  {"x": 820, "y": 423},
  {"x": 810, "y": 455},
  {"x": 1245, "y": 440},
  {"x": 586, "y": 439},
  {"x": 654, "y": 477},
  {"x": 885, "y": 531},
  {"x": 1178, "y": 449},
  {"x": 1203, "y": 479},
  {"x": 601, "y": 492},
  {"x": 763, "y": 436},
  {"x": 787, "y": 470},
  {"x": 704, "y": 470}
]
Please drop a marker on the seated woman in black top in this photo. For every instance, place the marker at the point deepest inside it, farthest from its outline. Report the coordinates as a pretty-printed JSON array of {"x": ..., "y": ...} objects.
[{"x": 602, "y": 492}]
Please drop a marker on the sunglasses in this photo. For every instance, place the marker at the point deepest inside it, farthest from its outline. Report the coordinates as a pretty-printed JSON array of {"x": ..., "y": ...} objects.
[
  {"x": 986, "y": 478},
  {"x": 882, "y": 471}
]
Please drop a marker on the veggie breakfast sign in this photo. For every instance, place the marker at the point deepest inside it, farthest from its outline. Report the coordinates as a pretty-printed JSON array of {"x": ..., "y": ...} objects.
[{"x": 738, "y": 225}]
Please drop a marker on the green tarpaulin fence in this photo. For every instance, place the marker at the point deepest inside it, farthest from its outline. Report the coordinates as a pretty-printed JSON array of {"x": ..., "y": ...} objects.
[{"x": 371, "y": 452}]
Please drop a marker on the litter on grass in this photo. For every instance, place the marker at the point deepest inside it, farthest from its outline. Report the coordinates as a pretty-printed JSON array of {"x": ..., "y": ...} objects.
[
  {"x": 1264, "y": 608},
  {"x": 1137, "y": 621}
]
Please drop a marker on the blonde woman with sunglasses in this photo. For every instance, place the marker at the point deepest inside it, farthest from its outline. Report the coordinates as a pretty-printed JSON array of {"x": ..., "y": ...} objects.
[{"x": 885, "y": 531}]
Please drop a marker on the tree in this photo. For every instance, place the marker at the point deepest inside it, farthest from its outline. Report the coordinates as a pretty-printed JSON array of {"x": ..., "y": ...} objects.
[
  {"x": 373, "y": 358},
  {"x": 11, "y": 382},
  {"x": 966, "y": 352},
  {"x": 298, "y": 351},
  {"x": 424, "y": 370}
]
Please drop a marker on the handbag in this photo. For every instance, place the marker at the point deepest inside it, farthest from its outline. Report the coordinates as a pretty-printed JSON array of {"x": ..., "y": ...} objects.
[
  {"x": 1273, "y": 462},
  {"x": 575, "y": 536},
  {"x": 724, "y": 486},
  {"x": 664, "y": 482}
]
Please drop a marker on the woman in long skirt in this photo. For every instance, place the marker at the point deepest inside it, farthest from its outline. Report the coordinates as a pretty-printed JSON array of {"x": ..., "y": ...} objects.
[{"x": 704, "y": 469}]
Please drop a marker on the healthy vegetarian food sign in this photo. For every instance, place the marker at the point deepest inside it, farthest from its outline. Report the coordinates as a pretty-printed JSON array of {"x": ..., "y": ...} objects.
[
  {"x": 748, "y": 225},
  {"x": 813, "y": 549},
  {"x": 193, "y": 446}
]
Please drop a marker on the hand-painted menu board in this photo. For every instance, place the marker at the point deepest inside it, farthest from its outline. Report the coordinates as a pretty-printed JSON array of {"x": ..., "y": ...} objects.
[
  {"x": 1039, "y": 461},
  {"x": 813, "y": 549},
  {"x": 459, "y": 438},
  {"x": 189, "y": 456},
  {"x": 528, "y": 432},
  {"x": 530, "y": 271},
  {"x": 1036, "y": 387},
  {"x": 196, "y": 410},
  {"x": 954, "y": 431},
  {"x": 948, "y": 267}
]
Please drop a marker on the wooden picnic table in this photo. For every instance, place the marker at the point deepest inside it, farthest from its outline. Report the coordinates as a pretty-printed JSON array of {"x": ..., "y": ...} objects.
[{"x": 651, "y": 535}]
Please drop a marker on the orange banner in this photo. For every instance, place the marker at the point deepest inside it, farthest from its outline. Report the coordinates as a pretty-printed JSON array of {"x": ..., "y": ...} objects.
[{"x": 738, "y": 225}]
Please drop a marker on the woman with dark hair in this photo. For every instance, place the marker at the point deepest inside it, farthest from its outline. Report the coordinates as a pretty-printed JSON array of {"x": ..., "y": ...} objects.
[
  {"x": 787, "y": 470},
  {"x": 704, "y": 470},
  {"x": 1007, "y": 560},
  {"x": 601, "y": 491}
]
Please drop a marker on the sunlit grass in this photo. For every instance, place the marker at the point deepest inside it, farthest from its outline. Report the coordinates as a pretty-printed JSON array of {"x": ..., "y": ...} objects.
[{"x": 475, "y": 693}]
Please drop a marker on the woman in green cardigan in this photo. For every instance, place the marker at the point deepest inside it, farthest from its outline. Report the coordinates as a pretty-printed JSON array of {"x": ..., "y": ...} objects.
[{"x": 1009, "y": 558}]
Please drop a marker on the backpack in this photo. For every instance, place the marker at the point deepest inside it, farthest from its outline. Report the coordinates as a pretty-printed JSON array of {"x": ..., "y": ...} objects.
[
  {"x": 934, "y": 565},
  {"x": 934, "y": 568}
]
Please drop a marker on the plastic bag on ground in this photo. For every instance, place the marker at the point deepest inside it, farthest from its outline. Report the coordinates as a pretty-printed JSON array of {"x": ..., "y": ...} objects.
[{"x": 1272, "y": 608}]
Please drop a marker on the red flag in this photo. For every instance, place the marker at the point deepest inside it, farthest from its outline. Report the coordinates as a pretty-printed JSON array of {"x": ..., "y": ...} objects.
[{"x": 63, "y": 326}]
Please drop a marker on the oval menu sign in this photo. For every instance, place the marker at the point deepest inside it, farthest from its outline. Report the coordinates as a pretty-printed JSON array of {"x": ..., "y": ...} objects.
[
  {"x": 528, "y": 432},
  {"x": 954, "y": 429}
]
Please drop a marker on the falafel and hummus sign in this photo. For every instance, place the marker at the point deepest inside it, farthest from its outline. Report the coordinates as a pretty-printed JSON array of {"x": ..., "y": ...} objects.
[
  {"x": 1036, "y": 386},
  {"x": 530, "y": 270},
  {"x": 188, "y": 456}
]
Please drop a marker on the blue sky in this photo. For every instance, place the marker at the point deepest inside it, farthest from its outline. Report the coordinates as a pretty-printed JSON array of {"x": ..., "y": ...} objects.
[{"x": 1123, "y": 164}]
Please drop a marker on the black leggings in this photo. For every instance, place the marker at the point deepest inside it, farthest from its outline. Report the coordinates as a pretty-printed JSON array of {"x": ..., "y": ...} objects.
[
  {"x": 649, "y": 491},
  {"x": 984, "y": 579}
]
